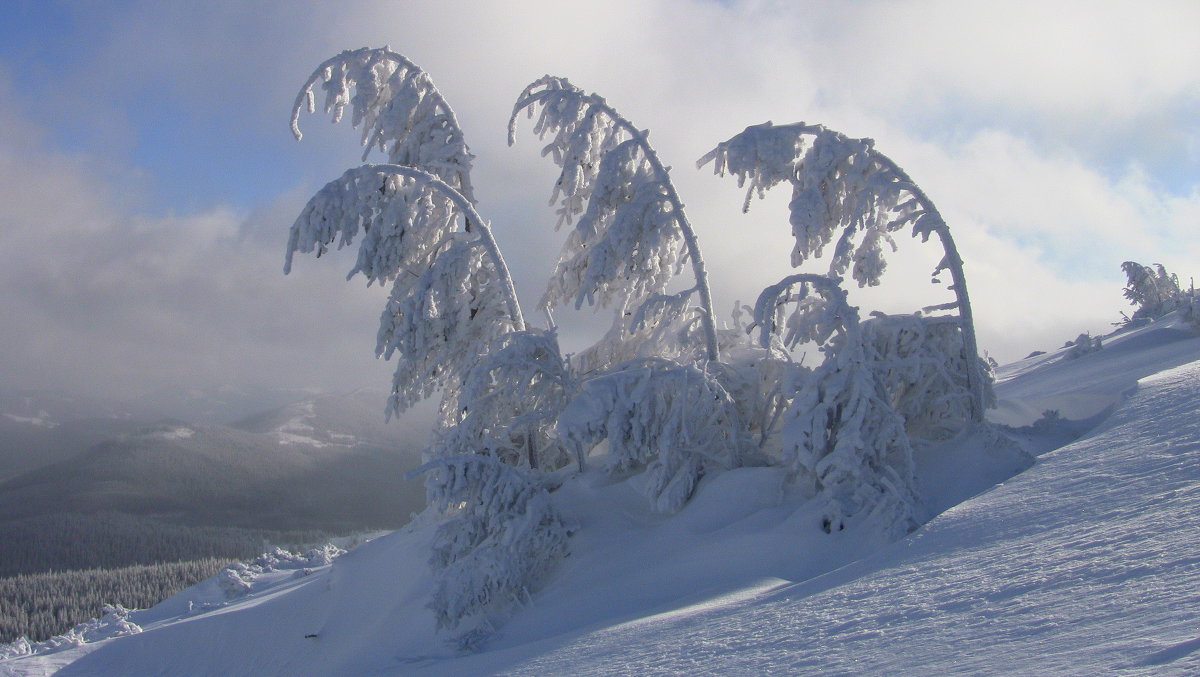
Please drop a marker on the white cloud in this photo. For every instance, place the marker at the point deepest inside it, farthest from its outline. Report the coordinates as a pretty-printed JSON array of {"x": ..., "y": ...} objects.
[{"x": 998, "y": 110}]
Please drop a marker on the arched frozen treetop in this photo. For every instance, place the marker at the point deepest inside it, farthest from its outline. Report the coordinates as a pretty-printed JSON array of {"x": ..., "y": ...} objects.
[
  {"x": 451, "y": 294},
  {"x": 401, "y": 215},
  {"x": 632, "y": 235},
  {"x": 400, "y": 111},
  {"x": 844, "y": 184},
  {"x": 837, "y": 183}
]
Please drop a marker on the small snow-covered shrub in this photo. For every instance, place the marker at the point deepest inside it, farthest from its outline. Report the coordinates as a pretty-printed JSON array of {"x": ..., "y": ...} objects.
[
  {"x": 1083, "y": 344},
  {"x": 499, "y": 539},
  {"x": 237, "y": 580},
  {"x": 841, "y": 437},
  {"x": 671, "y": 423},
  {"x": 922, "y": 363}
]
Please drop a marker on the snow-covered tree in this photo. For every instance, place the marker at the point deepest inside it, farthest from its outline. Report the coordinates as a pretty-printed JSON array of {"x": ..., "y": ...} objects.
[
  {"x": 631, "y": 236},
  {"x": 451, "y": 290},
  {"x": 841, "y": 436},
  {"x": 668, "y": 423},
  {"x": 499, "y": 539},
  {"x": 843, "y": 187}
]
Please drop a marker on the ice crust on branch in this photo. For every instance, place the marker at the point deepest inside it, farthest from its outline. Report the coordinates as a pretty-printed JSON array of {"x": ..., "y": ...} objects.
[
  {"x": 840, "y": 434},
  {"x": 441, "y": 322},
  {"x": 400, "y": 111},
  {"x": 671, "y": 423},
  {"x": 403, "y": 221},
  {"x": 500, "y": 538},
  {"x": 631, "y": 236}
]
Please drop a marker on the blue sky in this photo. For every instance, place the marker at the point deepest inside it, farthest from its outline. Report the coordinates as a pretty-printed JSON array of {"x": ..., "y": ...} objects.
[{"x": 1058, "y": 138}]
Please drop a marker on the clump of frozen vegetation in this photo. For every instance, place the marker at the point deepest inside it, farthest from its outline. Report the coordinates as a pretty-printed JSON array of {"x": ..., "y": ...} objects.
[
  {"x": 930, "y": 392},
  {"x": 114, "y": 623},
  {"x": 1082, "y": 345},
  {"x": 237, "y": 580},
  {"x": 1156, "y": 292},
  {"x": 663, "y": 399},
  {"x": 841, "y": 437}
]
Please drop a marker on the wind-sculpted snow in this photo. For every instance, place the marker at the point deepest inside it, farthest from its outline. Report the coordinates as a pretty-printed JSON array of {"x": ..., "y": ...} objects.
[{"x": 1086, "y": 564}]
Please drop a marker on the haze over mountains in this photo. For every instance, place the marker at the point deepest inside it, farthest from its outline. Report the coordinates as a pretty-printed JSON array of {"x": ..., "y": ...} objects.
[{"x": 326, "y": 462}]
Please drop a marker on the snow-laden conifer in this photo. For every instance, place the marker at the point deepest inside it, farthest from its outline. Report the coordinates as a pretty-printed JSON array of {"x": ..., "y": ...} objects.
[
  {"x": 845, "y": 189},
  {"x": 669, "y": 423},
  {"x": 500, "y": 538},
  {"x": 630, "y": 234},
  {"x": 840, "y": 435},
  {"x": 509, "y": 402}
]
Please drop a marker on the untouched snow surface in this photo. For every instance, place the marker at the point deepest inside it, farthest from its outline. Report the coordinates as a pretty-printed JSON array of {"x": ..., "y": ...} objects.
[{"x": 1087, "y": 563}]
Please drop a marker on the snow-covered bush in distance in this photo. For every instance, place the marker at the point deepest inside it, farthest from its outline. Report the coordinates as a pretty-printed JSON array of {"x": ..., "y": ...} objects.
[
  {"x": 633, "y": 235},
  {"x": 840, "y": 183},
  {"x": 114, "y": 622},
  {"x": 670, "y": 423},
  {"x": 499, "y": 538},
  {"x": 841, "y": 437},
  {"x": 511, "y": 398},
  {"x": 1082, "y": 345},
  {"x": 1152, "y": 289}
]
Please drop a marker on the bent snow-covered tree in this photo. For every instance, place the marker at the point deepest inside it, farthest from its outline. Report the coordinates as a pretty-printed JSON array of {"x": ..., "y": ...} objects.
[
  {"x": 632, "y": 235},
  {"x": 452, "y": 294},
  {"x": 843, "y": 187},
  {"x": 841, "y": 437}
]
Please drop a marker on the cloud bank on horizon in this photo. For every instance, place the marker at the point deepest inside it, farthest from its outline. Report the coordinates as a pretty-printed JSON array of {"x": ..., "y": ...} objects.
[{"x": 150, "y": 178}]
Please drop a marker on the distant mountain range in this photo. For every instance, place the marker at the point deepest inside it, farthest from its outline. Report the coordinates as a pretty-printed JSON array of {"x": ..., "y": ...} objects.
[{"x": 322, "y": 462}]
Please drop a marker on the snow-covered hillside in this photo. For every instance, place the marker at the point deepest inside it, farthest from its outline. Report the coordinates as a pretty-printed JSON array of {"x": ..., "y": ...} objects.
[{"x": 1086, "y": 563}]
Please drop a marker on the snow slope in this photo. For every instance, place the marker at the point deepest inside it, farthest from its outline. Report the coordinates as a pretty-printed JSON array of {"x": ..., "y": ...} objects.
[{"x": 1086, "y": 563}]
